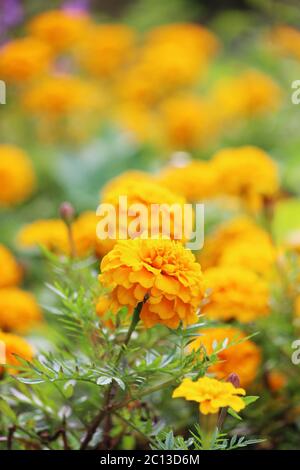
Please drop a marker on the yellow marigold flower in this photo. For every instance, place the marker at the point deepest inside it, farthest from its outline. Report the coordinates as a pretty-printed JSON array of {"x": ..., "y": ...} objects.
[
  {"x": 259, "y": 258},
  {"x": 239, "y": 230},
  {"x": 236, "y": 293},
  {"x": 60, "y": 29},
  {"x": 125, "y": 181},
  {"x": 17, "y": 178},
  {"x": 14, "y": 346},
  {"x": 195, "y": 181},
  {"x": 19, "y": 310},
  {"x": 192, "y": 37},
  {"x": 161, "y": 269},
  {"x": 138, "y": 121},
  {"x": 211, "y": 394},
  {"x": 10, "y": 271},
  {"x": 24, "y": 59},
  {"x": 62, "y": 95},
  {"x": 247, "y": 95},
  {"x": 242, "y": 357},
  {"x": 53, "y": 235},
  {"x": 103, "y": 308},
  {"x": 147, "y": 193},
  {"x": 247, "y": 173},
  {"x": 287, "y": 40},
  {"x": 106, "y": 48},
  {"x": 187, "y": 122}
]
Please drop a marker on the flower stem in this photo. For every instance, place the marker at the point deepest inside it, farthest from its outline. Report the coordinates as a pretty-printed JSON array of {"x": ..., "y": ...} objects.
[{"x": 107, "y": 397}]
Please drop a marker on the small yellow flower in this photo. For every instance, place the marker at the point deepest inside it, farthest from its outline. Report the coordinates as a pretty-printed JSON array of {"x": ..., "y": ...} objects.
[
  {"x": 19, "y": 310},
  {"x": 15, "y": 346},
  {"x": 164, "y": 271},
  {"x": 247, "y": 173},
  {"x": 17, "y": 177},
  {"x": 196, "y": 180},
  {"x": 106, "y": 48},
  {"x": 24, "y": 59},
  {"x": 211, "y": 394},
  {"x": 60, "y": 29},
  {"x": 236, "y": 293},
  {"x": 242, "y": 357},
  {"x": 10, "y": 271}
]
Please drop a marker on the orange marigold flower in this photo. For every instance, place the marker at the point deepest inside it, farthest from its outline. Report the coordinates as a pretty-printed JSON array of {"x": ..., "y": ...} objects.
[
  {"x": 236, "y": 293},
  {"x": 24, "y": 59},
  {"x": 240, "y": 355},
  {"x": 239, "y": 230},
  {"x": 161, "y": 269},
  {"x": 17, "y": 177},
  {"x": 60, "y": 29},
  {"x": 53, "y": 235},
  {"x": 250, "y": 94},
  {"x": 193, "y": 37},
  {"x": 247, "y": 173},
  {"x": 196, "y": 180},
  {"x": 146, "y": 192},
  {"x": 187, "y": 122},
  {"x": 286, "y": 40},
  {"x": 106, "y": 48},
  {"x": 10, "y": 271},
  {"x": 211, "y": 394},
  {"x": 276, "y": 380},
  {"x": 13, "y": 346},
  {"x": 19, "y": 310},
  {"x": 259, "y": 258},
  {"x": 62, "y": 95}
]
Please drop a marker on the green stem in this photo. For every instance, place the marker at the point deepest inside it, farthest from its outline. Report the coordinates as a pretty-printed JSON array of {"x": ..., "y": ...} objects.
[{"x": 107, "y": 397}]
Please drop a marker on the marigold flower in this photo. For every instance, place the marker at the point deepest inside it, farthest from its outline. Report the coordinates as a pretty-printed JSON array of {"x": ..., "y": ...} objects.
[
  {"x": 53, "y": 235},
  {"x": 239, "y": 230},
  {"x": 247, "y": 173},
  {"x": 62, "y": 95},
  {"x": 17, "y": 178},
  {"x": 259, "y": 258},
  {"x": 286, "y": 40},
  {"x": 196, "y": 180},
  {"x": 187, "y": 122},
  {"x": 161, "y": 269},
  {"x": 24, "y": 59},
  {"x": 58, "y": 28},
  {"x": 10, "y": 271},
  {"x": 276, "y": 380},
  {"x": 250, "y": 94},
  {"x": 236, "y": 293},
  {"x": 211, "y": 394},
  {"x": 192, "y": 37},
  {"x": 142, "y": 190},
  {"x": 14, "y": 346},
  {"x": 19, "y": 310},
  {"x": 106, "y": 48},
  {"x": 242, "y": 356}
]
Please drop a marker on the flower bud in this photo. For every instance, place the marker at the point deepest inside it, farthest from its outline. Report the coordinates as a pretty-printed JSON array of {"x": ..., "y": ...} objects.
[
  {"x": 67, "y": 212},
  {"x": 234, "y": 379}
]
